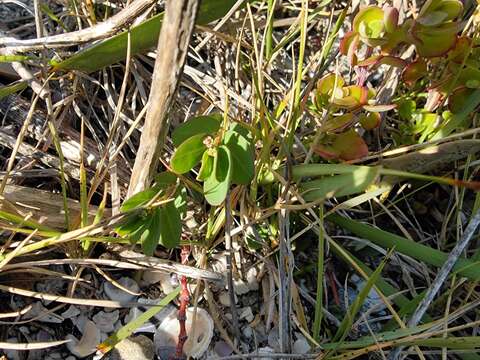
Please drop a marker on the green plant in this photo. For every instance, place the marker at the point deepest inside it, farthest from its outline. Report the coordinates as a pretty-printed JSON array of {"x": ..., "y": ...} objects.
[
  {"x": 224, "y": 150},
  {"x": 376, "y": 32},
  {"x": 159, "y": 221}
]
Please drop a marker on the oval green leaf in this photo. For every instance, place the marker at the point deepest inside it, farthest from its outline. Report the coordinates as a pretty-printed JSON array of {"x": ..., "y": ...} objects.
[
  {"x": 215, "y": 188},
  {"x": 139, "y": 199},
  {"x": 170, "y": 226},
  {"x": 206, "y": 168},
  {"x": 188, "y": 154},
  {"x": 241, "y": 152},
  {"x": 197, "y": 125}
]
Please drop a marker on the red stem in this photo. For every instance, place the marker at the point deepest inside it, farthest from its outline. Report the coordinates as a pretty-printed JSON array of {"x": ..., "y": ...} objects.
[{"x": 182, "y": 311}]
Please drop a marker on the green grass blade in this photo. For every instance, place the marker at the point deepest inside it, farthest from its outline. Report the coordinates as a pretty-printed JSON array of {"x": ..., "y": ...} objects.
[
  {"x": 143, "y": 37},
  {"x": 319, "y": 296},
  {"x": 12, "y": 89},
  {"x": 387, "y": 240},
  {"x": 347, "y": 321},
  {"x": 129, "y": 328}
]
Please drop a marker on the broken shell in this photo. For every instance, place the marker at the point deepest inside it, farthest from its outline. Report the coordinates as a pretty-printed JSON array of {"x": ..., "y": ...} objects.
[
  {"x": 117, "y": 294},
  {"x": 105, "y": 321},
  {"x": 166, "y": 282},
  {"x": 88, "y": 343},
  {"x": 41, "y": 313},
  {"x": 71, "y": 312},
  {"x": 198, "y": 340}
]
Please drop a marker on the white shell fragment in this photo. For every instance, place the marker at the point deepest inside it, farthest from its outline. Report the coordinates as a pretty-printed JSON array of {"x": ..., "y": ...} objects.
[
  {"x": 105, "y": 321},
  {"x": 117, "y": 294},
  {"x": 71, "y": 312},
  {"x": 198, "y": 340},
  {"x": 88, "y": 343},
  {"x": 165, "y": 280},
  {"x": 41, "y": 313}
]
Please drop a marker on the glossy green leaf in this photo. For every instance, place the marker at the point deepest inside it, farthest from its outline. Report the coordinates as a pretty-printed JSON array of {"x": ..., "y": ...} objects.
[
  {"x": 151, "y": 234},
  {"x": 139, "y": 199},
  {"x": 170, "y": 226},
  {"x": 434, "y": 42},
  {"x": 143, "y": 37},
  {"x": 243, "y": 168},
  {"x": 369, "y": 22},
  {"x": 340, "y": 185},
  {"x": 188, "y": 154},
  {"x": 130, "y": 225},
  {"x": 207, "y": 166},
  {"x": 165, "y": 179},
  {"x": 215, "y": 188},
  {"x": 208, "y": 124},
  {"x": 180, "y": 201}
]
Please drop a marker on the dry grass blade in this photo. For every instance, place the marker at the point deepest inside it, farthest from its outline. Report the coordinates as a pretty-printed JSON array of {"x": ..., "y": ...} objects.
[
  {"x": 31, "y": 346},
  {"x": 109, "y": 27}
]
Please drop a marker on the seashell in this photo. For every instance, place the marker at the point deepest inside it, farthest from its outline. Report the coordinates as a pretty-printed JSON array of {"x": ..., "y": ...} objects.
[
  {"x": 198, "y": 340},
  {"x": 88, "y": 343},
  {"x": 105, "y": 321},
  {"x": 117, "y": 294},
  {"x": 71, "y": 312}
]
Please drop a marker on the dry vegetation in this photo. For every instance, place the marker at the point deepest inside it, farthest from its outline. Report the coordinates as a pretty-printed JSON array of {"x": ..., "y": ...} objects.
[{"x": 321, "y": 204}]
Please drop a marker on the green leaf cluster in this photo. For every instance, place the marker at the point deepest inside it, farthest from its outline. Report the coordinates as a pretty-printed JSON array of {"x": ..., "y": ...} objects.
[
  {"x": 153, "y": 225},
  {"x": 224, "y": 151}
]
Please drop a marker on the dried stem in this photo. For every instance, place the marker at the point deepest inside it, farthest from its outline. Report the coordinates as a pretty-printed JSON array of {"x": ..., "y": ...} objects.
[{"x": 172, "y": 49}]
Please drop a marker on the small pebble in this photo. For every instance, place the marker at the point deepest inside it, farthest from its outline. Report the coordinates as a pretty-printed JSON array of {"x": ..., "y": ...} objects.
[
  {"x": 241, "y": 287},
  {"x": 301, "y": 346},
  {"x": 247, "y": 332},
  {"x": 247, "y": 314},
  {"x": 222, "y": 349}
]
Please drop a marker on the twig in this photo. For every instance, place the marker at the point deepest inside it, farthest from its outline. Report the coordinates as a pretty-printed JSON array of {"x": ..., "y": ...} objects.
[
  {"x": 228, "y": 256},
  {"x": 171, "y": 52},
  {"x": 441, "y": 277},
  {"x": 105, "y": 29}
]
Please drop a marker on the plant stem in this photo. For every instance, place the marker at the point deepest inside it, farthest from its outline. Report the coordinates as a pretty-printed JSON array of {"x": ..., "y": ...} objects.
[{"x": 182, "y": 311}]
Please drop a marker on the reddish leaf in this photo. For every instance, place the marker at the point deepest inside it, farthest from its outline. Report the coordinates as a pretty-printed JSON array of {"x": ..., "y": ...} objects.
[
  {"x": 414, "y": 71},
  {"x": 390, "y": 19},
  {"x": 370, "y": 121},
  {"x": 383, "y": 60},
  {"x": 345, "y": 146}
]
